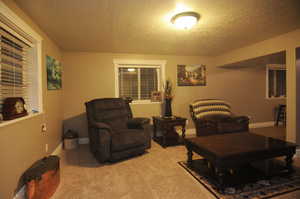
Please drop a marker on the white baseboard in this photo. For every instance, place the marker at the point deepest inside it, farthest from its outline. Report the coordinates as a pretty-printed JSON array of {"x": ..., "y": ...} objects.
[
  {"x": 261, "y": 124},
  {"x": 21, "y": 193},
  {"x": 192, "y": 131},
  {"x": 58, "y": 149},
  {"x": 83, "y": 140},
  {"x": 298, "y": 153}
]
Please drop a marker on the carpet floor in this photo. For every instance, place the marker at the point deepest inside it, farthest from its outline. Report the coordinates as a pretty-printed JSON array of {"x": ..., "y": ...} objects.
[{"x": 153, "y": 175}]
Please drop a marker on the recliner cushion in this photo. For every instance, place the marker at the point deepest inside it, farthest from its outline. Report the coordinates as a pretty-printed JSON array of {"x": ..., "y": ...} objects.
[{"x": 126, "y": 139}]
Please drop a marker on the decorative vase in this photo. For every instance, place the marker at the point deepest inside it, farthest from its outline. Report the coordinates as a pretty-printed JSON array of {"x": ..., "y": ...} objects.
[{"x": 168, "y": 107}]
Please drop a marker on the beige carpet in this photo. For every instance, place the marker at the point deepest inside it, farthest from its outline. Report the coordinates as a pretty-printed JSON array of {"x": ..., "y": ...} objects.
[{"x": 154, "y": 175}]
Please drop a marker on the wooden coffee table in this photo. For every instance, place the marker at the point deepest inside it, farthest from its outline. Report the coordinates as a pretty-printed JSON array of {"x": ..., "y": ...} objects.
[{"x": 227, "y": 152}]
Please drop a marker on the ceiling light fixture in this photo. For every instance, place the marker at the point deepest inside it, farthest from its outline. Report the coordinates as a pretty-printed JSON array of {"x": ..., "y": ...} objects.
[
  {"x": 130, "y": 69},
  {"x": 185, "y": 20}
]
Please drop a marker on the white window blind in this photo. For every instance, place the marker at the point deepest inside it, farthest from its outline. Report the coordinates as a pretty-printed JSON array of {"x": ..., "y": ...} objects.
[
  {"x": 128, "y": 83},
  {"x": 149, "y": 82},
  {"x": 138, "y": 82},
  {"x": 14, "y": 71}
]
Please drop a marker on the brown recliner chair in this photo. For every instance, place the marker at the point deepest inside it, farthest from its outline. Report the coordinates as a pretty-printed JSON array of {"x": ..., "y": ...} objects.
[
  {"x": 213, "y": 116},
  {"x": 114, "y": 134}
]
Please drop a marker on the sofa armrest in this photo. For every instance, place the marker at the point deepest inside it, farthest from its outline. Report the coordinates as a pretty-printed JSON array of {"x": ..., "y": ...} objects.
[
  {"x": 241, "y": 119},
  {"x": 137, "y": 122}
]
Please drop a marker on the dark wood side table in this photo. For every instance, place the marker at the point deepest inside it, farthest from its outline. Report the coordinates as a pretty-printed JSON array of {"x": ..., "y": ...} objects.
[{"x": 166, "y": 126}]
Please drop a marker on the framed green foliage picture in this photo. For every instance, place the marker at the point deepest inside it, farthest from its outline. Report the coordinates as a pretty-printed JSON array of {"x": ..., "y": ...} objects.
[{"x": 53, "y": 73}]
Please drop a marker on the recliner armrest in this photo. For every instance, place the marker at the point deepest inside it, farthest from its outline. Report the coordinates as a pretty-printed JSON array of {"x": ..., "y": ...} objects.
[{"x": 137, "y": 122}]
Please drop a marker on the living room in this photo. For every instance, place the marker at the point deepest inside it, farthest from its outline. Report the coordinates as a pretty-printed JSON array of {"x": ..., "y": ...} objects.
[{"x": 88, "y": 67}]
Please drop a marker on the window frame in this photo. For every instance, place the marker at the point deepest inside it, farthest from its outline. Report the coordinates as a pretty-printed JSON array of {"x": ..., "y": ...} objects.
[
  {"x": 273, "y": 67},
  {"x": 137, "y": 63},
  {"x": 22, "y": 30}
]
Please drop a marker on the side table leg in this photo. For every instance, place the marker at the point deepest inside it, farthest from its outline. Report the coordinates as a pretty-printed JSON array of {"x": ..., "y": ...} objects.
[
  {"x": 183, "y": 133},
  {"x": 164, "y": 144},
  {"x": 220, "y": 172},
  {"x": 289, "y": 162},
  {"x": 189, "y": 157},
  {"x": 154, "y": 129}
]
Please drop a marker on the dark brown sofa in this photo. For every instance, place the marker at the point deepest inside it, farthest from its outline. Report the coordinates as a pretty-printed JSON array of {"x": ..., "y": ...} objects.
[
  {"x": 214, "y": 116},
  {"x": 114, "y": 134}
]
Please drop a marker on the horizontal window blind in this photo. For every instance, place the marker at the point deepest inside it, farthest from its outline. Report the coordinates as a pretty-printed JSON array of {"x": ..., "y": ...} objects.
[
  {"x": 149, "y": 82},
  {"x": 138, "y": 82},
  {"x": 14, "y": 71},
  {"x": 128, "y": 83}
]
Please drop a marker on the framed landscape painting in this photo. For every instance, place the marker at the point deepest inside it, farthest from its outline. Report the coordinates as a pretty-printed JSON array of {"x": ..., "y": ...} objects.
[
  {"x": 53, "y": 73},
  {"x": 191, "y": 75}
]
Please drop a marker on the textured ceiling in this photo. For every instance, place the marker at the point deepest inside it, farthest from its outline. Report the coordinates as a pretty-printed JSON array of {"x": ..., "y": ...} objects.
[{"x": 142, "y": 26}]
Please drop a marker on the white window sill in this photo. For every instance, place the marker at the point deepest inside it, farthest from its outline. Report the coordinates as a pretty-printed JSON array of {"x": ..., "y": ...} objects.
[
  {"x": 6, "y": 123},
  {"x": 275, "y": 98},
  {"x": 144, "y": 102}
]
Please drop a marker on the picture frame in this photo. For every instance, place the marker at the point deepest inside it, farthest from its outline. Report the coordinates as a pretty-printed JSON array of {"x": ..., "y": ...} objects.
[
  {"x": 156, "y": 96},
  {"x": 191, "y": 75},
  {"x": 54, "y": 73}
]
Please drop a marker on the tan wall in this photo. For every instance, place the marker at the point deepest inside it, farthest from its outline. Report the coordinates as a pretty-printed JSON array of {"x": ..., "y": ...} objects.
[
  {"x": 288, "y": 42},
  {"x": 22, "y": 143},
  {"x": 298, "y": 91},
  {"x": 91, "y": 75}
]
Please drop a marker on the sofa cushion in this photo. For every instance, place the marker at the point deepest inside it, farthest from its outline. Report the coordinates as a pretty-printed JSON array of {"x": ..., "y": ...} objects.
[
  {"x": 126, "y": 139},
  {"x": 209, "y": 107}
]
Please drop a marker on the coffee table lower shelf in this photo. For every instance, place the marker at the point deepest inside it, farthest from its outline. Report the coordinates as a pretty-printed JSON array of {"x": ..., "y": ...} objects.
[{"x": 249, "y": 173}]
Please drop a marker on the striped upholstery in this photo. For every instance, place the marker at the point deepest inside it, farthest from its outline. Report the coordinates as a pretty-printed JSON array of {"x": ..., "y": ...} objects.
[{"x": 208, "y": 107}]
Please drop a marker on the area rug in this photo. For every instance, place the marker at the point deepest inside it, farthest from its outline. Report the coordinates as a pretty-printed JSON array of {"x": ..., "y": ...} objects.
[{"x": 266, "y": 187}]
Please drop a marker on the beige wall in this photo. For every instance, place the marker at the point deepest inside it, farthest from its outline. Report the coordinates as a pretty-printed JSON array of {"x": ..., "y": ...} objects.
[
  {"x": 91, "y": 75},
  {"x": 288, "y": 42},
  {"x": 22, "y": 143},
  {"x": 298, "y": 91}
]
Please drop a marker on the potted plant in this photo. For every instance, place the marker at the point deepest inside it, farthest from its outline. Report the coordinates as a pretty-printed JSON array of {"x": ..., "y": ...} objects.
[{"x": 168, "y": 96}]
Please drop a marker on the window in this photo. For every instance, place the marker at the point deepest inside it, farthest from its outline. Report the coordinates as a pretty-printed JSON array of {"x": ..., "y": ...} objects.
[
  {"x": 276, "y": 81},
  {"x": 20, "y": 61},
  {"x": 13, "y": 68},
  {"x": 138, "y": 79}
]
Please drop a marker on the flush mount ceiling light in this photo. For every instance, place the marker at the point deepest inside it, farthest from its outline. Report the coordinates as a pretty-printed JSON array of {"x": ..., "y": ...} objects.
[
  {"x": 185, "y": 20},
  {"x": 131, "y": 69}
]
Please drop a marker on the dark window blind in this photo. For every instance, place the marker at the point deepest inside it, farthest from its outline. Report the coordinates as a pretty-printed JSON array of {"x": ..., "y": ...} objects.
[
  {"x": 277, "y": 82},
  {"x": 13, "y": 67}
]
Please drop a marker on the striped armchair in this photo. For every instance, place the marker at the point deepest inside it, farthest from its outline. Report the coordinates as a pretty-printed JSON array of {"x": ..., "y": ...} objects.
[{"x": 214, "y": 116}]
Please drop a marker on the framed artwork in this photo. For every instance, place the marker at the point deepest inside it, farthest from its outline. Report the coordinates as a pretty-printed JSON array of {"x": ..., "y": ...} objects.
[
  {"x": 156, "y": 96},
  {"x": 53, "y": 73},
  {"x": 191, "y": 75}
]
